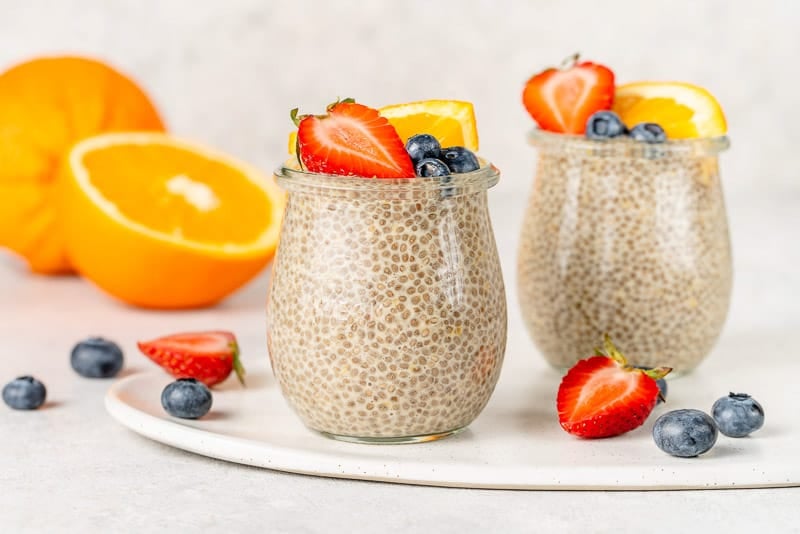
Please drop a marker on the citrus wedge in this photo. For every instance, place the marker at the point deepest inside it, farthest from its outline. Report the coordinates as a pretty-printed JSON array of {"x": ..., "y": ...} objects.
[
  {"x": 452, "y": 122},
  {"x": 161, "y": 223},
  {"x": 684, "y": 111}
]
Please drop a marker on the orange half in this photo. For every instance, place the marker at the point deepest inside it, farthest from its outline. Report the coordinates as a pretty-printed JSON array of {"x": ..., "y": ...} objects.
[{"x": 161, "y": 223}]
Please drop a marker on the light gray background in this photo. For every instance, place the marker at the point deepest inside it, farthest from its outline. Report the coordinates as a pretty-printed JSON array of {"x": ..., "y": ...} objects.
[{"x": 226, "y": 73}]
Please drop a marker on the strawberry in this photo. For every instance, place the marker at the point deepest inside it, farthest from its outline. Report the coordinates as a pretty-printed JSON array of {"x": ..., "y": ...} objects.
[
  {"x": 562, "y": 100},
  {"x": 603, "y": 396},
  {"x": 351, "y": 140},
  {"x": 207, "y": 356}
]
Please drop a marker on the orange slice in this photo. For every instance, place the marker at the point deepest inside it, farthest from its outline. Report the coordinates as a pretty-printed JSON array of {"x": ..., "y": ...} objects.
[
  {"x": 452, "y": 122},
  {"x": 683, "y": 110},
  {"x": 161, "y": 223}
]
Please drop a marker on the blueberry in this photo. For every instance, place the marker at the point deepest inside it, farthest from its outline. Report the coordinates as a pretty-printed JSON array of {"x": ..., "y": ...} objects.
[
  {"x": 187, "y": 398},
  {"x": 431, "y": 167},
  {"x": 737, "y": 415},
  {"x": 685, "y": 433},
  {"x": 604, "y": 125},
  {"x": 460, "y": 160},
  {"x": 661, "y": 383},
  {"x": 423, "y": 146},
  {"x": 96, "y": 357},
  {"x": 648, "y": 132},
  {"x": 24, "y": 393}
]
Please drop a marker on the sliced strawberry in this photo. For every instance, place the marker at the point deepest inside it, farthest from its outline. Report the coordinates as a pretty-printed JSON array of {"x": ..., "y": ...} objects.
[
  {"x": 603, "y": 396},
  {"x": 351, "y": 140},
  {"x": 562, "y": 100},
  {"x": 207, "y": 356}
]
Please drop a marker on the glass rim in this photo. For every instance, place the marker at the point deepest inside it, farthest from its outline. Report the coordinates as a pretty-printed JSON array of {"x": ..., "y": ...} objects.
[
  {"x": 626, "y": 147},
  {"x": 291, "y": 177}
]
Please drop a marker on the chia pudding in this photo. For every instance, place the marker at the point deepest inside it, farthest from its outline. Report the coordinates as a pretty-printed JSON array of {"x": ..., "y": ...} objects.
[
  {"x": 625, "y": 238},
  {"x": 386, "y": 310}
]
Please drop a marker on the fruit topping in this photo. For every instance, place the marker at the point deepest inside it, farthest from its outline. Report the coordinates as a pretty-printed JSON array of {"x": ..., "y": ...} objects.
[
  {"x": 207, "y": 356},
  {"x": 685, "y": 433},
  {"x": 603, "y": 396},
  {"x": 429, "y": 167},
  {"x": 24, "y": 393},
  {"x": 423, "y": 146},
  {"x": 351, "y": 140},
  {"x": 562, "y": 99},
  {"x": 96, "y": 357},
  {"x": 737, "y": 415},
  {"x": 604, "y": 125},
  {"x": 648, "y": 132},
  {"x": 451, "y": 122},
  {"x": 683, "y": 110},
  {"x": 186, "y": 398},
  {"x": 460, "y": 160}
]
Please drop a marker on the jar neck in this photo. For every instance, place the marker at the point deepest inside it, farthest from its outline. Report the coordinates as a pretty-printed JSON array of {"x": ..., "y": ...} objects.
[
  {"x": 295, "y": 180},
  {"x": 624, "y": 147}
]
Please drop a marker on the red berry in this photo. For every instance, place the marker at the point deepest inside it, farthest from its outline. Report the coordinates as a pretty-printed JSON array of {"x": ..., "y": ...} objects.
[
  {"x": 603, "y": 396},
  {"x": 351, "y": 140},
  {"x": 562, "y": 100},
  {"x": 207, "y": 356}
]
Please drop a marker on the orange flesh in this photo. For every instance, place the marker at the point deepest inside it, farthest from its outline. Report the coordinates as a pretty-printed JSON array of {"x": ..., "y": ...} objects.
[
  {"x": 448, "y": 130},
  {"x": 675, "y": 118},
  {"x": 182, "y": 194}
]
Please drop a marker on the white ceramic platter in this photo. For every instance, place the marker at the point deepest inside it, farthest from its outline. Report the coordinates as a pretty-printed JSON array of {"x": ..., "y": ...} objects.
[{"x": 515, "y": 444}]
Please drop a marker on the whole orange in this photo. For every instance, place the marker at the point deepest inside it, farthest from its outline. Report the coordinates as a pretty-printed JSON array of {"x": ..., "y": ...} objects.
[{"x": 46, "y": 105}]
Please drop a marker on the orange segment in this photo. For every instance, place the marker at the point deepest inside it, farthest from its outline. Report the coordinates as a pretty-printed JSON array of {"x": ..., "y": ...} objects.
[
  {"x": 160, "y": 223},
  {"x": 45, "y": 106},
  {"x": 452, "y": 122},
  {"x": 683, "y": 110}
]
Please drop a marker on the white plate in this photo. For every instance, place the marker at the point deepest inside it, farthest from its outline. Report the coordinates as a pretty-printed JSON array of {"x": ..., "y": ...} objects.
[{"x": 515, "y": 444}]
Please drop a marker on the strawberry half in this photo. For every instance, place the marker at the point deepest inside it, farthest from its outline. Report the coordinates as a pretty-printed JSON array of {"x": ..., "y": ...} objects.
[
  {"x": 603, "y": 396},
  {"x": 207, "y": 356},
  {"x": 562, "y": 100},
  {"x": 351, "y": 140}
]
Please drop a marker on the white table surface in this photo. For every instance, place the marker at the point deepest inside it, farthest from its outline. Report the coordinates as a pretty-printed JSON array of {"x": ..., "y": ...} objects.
[{"x": 71, "y": 468}]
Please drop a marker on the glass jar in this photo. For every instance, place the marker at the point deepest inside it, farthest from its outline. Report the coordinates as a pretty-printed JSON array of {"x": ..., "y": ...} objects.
[
  {"x": 386, "y": 308},
  {"x": 626, "y": 238}
]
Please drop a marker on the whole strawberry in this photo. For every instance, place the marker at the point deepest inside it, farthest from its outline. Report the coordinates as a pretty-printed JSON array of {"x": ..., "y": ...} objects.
[
  {"x": 351, "y": 140},
  {"x": 206, "y": 356},
  {"x": 562, "y": 99},
  {"x": 603, "y": 396}
]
